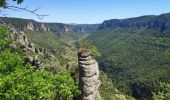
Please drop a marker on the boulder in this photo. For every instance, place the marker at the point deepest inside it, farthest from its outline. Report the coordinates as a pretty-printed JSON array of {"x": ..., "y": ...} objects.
[{"x": 28, "y": 59}]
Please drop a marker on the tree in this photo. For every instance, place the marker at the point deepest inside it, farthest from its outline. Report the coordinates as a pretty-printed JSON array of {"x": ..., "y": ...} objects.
[
  {"x": 164, "y": 93},
  {"x": 5, "y": 40},
  {"x": 4, "y": 4},
  {"x": 19, "y": 81}
]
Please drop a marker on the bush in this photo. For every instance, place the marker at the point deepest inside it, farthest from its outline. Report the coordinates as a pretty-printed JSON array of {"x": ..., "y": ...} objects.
[
  {"x": 87, "y": 46},
  {"x": 5, "y": 39},
  {"x": 19, "y": 81},
  {"x": 164, "y": 93}
]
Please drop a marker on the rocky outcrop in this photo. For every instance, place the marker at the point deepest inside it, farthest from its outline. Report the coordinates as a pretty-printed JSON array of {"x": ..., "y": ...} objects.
[
  {"x": 88, "y": 77},
  {"x": 32, "y": 54},
  {"x": 36, "y": 26},
  {"x": 161, "y": 22},
  {"x": 24, "y": 24},
  {"x": 31, "y": 25},
  {"x": 22, "y": 39},
  {"x": 33, "y": 60},
  {"x": 66, "y": 28}
]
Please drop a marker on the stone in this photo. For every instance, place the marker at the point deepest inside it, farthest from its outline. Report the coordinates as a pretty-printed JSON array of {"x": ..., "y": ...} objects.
[
  {"x": 23, "y": 41},
  {"x": 30, "y": 26},
  {"x": 36, "y": 50},
  {"x": 83, "y": 54},
  {"x": 36, "y": 62},
  {"x": 88, "y": 77},
  {"x": 87, "y": 62},
  {"x": 28, "y": 59},
  {"x": 13, "y": 30},
  {"x": 52, "y": 56},
  {"x": 12, "y": 46},
  {"x": 86, "y": 58},
  {"x": 31, "y": 45},
  {"x": 88, "y": 70}
]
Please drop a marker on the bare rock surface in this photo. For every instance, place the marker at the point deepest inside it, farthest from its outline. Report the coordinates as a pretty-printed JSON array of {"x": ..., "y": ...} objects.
[{"x": 88, "y": 77}]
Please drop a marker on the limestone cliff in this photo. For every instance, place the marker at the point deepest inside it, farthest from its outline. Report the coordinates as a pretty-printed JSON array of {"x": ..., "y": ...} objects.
[
  {"x": 24, "y": 24},
  {"x": 161, "y": 22},
  {"x": 66, "y": 28},
  {"x": 31, "y": 25},
  {"x": 88, "y": 77}
]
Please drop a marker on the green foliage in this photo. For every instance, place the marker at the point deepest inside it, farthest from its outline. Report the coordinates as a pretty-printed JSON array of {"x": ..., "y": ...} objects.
[
  {"x": 19, "y": 81},
  {"x": 87, "y": 45},
  {"x": 95, "y": 51},
  {"x": 4, "y": 3},
  {"x": 65, "y": 87},
  {"x": 53, "y": 44},
  {"x": 19, "y": 1},
  {"x": 133, "y": 56},
  {"x": 164, "y": 93},
  {"x": 9, "y": 61},
  {"x": 46, "y": 40},
  {"x": 27, "y": 83},
  {"x": 5, "y": 39},
  {"x": 63, "y": 61},
  {"x": 84, "y": 43},
  {"x": 108, "y": 91}
]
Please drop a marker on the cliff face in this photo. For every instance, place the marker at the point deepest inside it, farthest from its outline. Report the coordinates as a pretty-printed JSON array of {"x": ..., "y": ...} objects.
[
  {"x": 23, "y": 24},
  {"x": 161, "y": 22},
  {"x": 31, "y": 25},
  {"x": 82, "y": 28},
  {"x": 35, "y": 26},
  {"x": 88, "y": 77},
  {"x": 31, "y": 53}
]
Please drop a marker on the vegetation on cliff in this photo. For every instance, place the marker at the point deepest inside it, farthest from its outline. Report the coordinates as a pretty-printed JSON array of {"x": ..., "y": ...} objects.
[
  {"x": 135, "y": 59},
  {"x": 23, "y": 81}
]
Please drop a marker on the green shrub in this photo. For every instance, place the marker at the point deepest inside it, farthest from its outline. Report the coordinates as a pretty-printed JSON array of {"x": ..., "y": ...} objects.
[
  {"x": 19, "y": 81},
  {"x": 86, "y": 45},
  {"x": 5, "y": 39},
  {"x": 9, "y": 61},
  {"x": 164, "y": 93}
]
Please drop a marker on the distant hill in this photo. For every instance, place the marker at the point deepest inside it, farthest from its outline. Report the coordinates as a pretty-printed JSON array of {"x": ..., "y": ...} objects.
[
  {"x": 31, "y": 25},
  {"x": 161, "y": 22},
  {"x": 84, "y": 28},
  {"x": 23, "y": 24},
  {"x": 135, "y": 53}
]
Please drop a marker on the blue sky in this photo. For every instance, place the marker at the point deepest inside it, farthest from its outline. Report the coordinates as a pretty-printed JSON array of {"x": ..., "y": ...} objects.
[{"x": 91, "y": 11}]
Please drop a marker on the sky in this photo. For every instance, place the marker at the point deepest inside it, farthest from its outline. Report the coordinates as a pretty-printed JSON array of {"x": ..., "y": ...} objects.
[{"x": 90, "y": 11}]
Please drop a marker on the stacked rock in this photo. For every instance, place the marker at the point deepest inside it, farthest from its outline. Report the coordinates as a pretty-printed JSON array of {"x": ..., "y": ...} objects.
[{"x": 88, "y": 77}]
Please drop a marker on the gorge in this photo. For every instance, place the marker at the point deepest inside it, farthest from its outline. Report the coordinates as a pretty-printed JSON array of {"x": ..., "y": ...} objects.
[{"x": 132, "y": 54}]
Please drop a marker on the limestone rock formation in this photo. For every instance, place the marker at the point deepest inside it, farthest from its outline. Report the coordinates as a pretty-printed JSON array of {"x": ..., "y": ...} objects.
[
  {"x": 161, "y": 22},
  {"x": 88, "y": 77},
  {"x": 22, "y": 39},
  {"x": 32, "y": 54},
  {"x": 36, "y": 26},
  {"x": 24, "y": 24}
]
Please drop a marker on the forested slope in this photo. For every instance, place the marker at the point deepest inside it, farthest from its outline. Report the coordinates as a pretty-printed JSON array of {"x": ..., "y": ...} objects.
[{"x": 135, "y": 58}]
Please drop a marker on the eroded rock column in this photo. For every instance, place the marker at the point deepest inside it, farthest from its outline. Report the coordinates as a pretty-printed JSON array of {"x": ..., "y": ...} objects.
[{"x": 88, "y": 77}]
